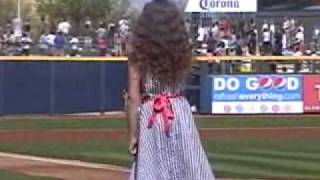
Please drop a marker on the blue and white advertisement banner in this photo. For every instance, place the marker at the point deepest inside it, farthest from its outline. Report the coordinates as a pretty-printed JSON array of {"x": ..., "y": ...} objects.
[
  {"x": 257, "y": 94},
  {"x": 221, "y": 6}
]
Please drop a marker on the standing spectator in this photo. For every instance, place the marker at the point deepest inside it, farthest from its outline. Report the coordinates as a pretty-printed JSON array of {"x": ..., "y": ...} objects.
[
  {"x": 286, "y": 24},
  {"x": 237, "y": 46},
  {"x": 314, "y": 46},
  {"x": 110, "y": 34},
  {"x": 27, "y": 27},
  {"x": 188, "y": 26},
  {"x": 265, "y": 25},
  {"x": 300, "y": 36},
  {"x": 9, "y": 26},
  {"x": 43, "y": 45},
  {"x": 252, "y": 42},
  {"x": 124, "y": 32},
  {"x": 316, "y": 33},
  {"x": 2, "y": 42},
  {"x": 278, "y": 43},
  {"x": 88, "y": 35},
  {"x": 118, "y": 44},
  {"x": 225, "y": 27},
  {"x": 211, "y": 42},
  {"x": 102, "y": 45},
  {"x": 215, "y": 30},
  {"x": 272, "y": 28},
  {"x": 17, "y": 27},
  {"x": 284, "y": 40},
  {"x": 201, "y": 36},
  {"x": 59, "y": 44},
  {"x": 12, "y": 43},
  {"x": 102, "y": 30},
  {"x": 64, "y": 27},
  {"x": 266, "y": 36},
  {"x": 299, "y": 39},
  {"x": 44, "y": 25},
  {"x": 253, "y": 25},
  {"x": 5, "y": 40},
  {"x": 50, "y": 38}
]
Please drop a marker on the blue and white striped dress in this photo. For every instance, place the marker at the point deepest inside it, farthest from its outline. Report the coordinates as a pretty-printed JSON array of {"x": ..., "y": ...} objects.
[{"x": 177, "y": 157}]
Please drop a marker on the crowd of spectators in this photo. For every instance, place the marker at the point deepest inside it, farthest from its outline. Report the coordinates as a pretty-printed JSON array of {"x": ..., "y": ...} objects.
[
  {"x": 65, "y": 39},
  {"x": 226, "y": 37}
]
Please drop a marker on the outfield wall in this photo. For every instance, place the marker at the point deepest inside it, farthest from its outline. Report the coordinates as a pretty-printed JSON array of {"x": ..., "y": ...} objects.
[{"x": 60, "y": 85}]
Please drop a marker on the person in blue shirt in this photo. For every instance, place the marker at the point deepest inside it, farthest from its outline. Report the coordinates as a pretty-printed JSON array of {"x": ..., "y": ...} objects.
[{"x": 59, "y": 44}]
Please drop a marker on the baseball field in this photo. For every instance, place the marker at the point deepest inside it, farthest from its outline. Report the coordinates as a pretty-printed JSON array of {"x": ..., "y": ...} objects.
[{"x": 94, "y": 148}]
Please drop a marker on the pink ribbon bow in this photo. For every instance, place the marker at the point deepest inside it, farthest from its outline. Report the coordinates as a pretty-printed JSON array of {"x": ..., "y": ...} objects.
[{"x": 162, "y": 106}]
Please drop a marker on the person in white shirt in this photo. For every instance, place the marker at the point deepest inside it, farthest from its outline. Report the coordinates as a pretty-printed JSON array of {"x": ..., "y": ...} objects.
[
  {"x": 286, "y": 24},
  {"x": 299, "y": 36},
  {"x": 43, "y": 46},
  {"x": 17, "y": 26},
  {"x": 265, "y": 25},
  {"x": 201, "y": 36},
  {"x": 272, "y": 27},
  {"x": 316, "y": 32},
  {"x": 284, "y": 42},
  {"x": 266, "y": 37},
  {"x": 123, "y": 22},
  {"x": 26, "y": 43},
  {"x": 50, "y": 42},
  {"x": 64, "y": 27},
  {"x": 215, "y": 30},
  {"x": 74, "y": 42},
  {"x": 102, "y": 30}
]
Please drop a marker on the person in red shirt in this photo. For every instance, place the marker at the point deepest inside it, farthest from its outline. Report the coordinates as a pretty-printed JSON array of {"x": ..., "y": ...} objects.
[{"x": 102, "y": 45}]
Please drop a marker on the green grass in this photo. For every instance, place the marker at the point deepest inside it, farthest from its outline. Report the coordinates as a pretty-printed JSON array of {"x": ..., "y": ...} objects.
[
  {"x": 241, "y": 158},
  {"x": 5, "y": 175},
  {"x": 294, "y": 158},
  {"x": 214, "y": 122}
]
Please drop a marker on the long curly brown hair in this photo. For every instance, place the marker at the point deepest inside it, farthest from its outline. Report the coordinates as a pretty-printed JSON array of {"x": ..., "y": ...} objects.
[{"x": 160, "y": 43}]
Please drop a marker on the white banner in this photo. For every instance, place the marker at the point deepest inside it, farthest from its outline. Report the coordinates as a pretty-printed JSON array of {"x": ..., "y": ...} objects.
[
  {"x": 257, "y": 107},
  {"x": 221, "y": 6}
]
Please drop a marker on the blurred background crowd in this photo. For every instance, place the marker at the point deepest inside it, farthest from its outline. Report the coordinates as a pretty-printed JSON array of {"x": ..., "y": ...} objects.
[{"x": 102, "y": 28}]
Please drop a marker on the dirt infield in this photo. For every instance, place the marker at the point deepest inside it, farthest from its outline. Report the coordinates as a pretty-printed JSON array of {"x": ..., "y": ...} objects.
[
  {"x": 60, "y": 169},
  {"x": 83, "y": 135}
]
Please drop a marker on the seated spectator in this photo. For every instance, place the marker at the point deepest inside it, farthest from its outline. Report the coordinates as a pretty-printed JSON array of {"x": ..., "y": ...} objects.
[
  {"x": 220, "y": 50},
  {"x": 74, "y": 42},
  {"x": 26, "y": 43}
]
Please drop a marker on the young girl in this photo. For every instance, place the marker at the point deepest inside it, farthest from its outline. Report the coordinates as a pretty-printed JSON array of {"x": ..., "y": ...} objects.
[{"x": 163, "y": 136}]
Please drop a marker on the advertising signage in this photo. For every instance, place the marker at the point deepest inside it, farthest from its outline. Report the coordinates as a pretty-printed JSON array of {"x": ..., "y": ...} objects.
[
  {"x": 221, "y": 6},
  {"x": 257, "y": 94},
  {"x": 312, "y": 93}
]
